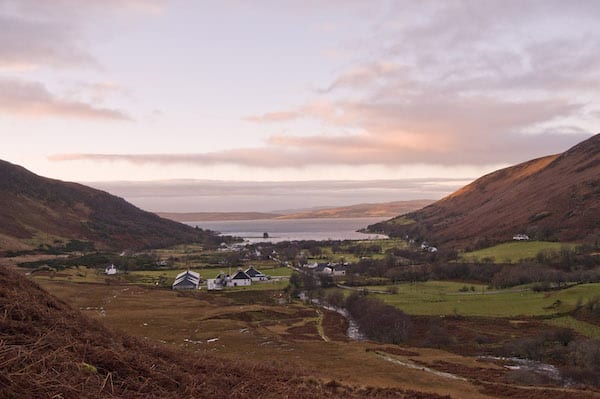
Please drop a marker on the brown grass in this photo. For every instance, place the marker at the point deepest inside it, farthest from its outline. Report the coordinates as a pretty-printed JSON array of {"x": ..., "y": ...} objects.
[{"x": 47, "y": 349}]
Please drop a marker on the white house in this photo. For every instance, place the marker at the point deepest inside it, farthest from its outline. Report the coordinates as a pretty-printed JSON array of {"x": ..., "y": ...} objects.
[
  {"x": 240, "y": 279},
  {"x": 187, "y": 280},
  {"x": 213, "y": 285},
  {"x": 520, "y": 237},
  {"x": 428, "y": 248},
  {"x": 323, "y": 268},
  {"x": 111, "y": 270},
  {"x": 219, "y": 282},
  {"x": 255, "y": 275},
  {"x": 339, "y": 271}
]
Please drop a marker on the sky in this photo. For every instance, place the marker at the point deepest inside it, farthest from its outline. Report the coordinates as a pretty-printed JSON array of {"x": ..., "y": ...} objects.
[{"x": 414, "y": 97}]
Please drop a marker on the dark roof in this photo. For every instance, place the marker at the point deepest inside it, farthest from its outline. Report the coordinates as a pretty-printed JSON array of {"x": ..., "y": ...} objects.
[
  {"x": 252, "y": 272},
  {"x": 241, "y": 275},
  {"x": 321, "y": 267},
  {"x": 187, "y": 278}
]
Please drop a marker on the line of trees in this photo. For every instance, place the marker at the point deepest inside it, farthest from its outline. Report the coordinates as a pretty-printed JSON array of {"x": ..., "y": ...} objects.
[{"x": 377, "y": 320}]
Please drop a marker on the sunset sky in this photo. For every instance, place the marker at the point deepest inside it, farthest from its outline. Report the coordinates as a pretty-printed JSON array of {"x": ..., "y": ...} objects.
[{"x": 425, "y": 94}]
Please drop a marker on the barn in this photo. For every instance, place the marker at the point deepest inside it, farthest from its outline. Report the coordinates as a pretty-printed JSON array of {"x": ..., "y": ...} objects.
[{"x": 187, "y": 280}]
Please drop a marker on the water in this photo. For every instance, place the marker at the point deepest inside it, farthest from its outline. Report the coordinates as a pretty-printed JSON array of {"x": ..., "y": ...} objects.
[
  {"x": 294, "y": 229},
  {"x": 544, "y": 369},
  {"x": 353, "y": 332}
]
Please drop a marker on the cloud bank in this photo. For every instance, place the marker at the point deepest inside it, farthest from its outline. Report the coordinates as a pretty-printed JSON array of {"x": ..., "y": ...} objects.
[
  {"x": 230, "y": 196},
  {"x": 33, "y": 99}
]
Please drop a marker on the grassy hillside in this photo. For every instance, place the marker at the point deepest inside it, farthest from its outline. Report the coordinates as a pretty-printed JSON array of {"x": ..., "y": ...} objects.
[
  {"x": 36, "y": 210},
  {"x": 551, "y": 198},
  {"x": 513, "y": 251}
]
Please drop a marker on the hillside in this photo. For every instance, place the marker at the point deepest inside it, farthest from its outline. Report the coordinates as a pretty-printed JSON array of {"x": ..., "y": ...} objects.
[
  {"x": 386, "y": 209},
  {"x": 36, "y": 210},
  {"x": 212, "y": 216},
  {"x": 47, "y": 349},
  {"x": 361, "y": 210},
  {"x": 556, "y": 197}
]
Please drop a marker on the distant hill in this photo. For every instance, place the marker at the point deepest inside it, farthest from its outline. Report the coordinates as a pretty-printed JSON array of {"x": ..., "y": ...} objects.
[
  {"x": 51, "y": 350},
  {"x": 361, "y": 211},
  {"x": 387, "y": 209},
  {"x": 36, "y": 210},
  {"x": 556, "y": 197},
  {"x": 211, "y": 216}
]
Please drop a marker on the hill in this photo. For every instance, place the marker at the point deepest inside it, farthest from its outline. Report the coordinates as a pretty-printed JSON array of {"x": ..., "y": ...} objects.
[
  {"x": 36, "y": 210},
  {"x": 386, "y": 209},
  {"x": 361, "y": 210},
  {"x": 49, "y": 350},
  {"x": 556, "y": 197},
  {"x": 212, "y": 216}
]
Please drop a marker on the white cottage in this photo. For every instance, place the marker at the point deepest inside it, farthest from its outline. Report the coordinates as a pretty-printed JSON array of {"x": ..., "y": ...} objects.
[
  {"x": 240, "y": 279},
  {"x": 111, "y": 270},
  {"x": 255, "y": 275}
]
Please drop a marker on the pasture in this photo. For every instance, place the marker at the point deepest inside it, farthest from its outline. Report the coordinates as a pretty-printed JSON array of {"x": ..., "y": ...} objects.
[{"x": 514, "y": 251}]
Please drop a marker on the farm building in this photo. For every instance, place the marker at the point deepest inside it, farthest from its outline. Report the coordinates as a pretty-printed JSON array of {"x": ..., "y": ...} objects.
[
  {"x": 255, "y": 275},
  {"x": 187, "y": 280},
  {"x": 111, "y": 270}
]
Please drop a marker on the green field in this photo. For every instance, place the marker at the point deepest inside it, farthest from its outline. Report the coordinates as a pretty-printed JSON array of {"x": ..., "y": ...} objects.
[
  {"x": 162, "y": 277},
  {"x": 514, "y": 251},
  {"x": 444, "y": 298},
  {"x": 209, "y": 272},
  {"x": 343, "y": 253},
  {"x": 582, "y": 327}
]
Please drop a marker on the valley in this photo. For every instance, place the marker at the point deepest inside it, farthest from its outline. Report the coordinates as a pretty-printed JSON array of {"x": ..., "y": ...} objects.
[{"x": 436, "y": 311}]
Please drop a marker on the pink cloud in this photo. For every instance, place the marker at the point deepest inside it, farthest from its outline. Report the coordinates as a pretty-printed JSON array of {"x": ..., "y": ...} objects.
[
  {"x": 32, "y": 99},
  {"x": 276, "y": 116}
]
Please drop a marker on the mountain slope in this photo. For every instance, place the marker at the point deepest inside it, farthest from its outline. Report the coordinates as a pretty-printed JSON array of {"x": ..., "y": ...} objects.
[
  {"x": 554, "y": 197},
  {"x": 35, "y": 209},
  {"x": 49, "y": 350}
]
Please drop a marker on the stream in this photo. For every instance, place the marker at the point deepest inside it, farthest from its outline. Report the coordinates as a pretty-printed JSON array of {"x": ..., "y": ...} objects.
[
  {"x": 353, "y": 331},
  {"x": 544, "y": 369}
]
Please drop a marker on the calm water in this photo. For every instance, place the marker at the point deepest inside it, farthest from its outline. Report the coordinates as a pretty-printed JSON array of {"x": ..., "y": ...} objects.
[{"x": 298, "y": 229}]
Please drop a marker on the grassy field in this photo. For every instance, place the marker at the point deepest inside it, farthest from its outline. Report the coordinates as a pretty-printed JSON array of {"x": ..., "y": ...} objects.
[
  {"x": 155, "y": 277},
  {"x": 400, "y": 221},
  {"x": 582, "y": 327},
  {"x": 343, "y": 254},
  {"x": 229, "y": 325},
  {"x": 514, "y": 251},
  {"x": 445, "y": 298},
  {"x": 250, "y": 325}
]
